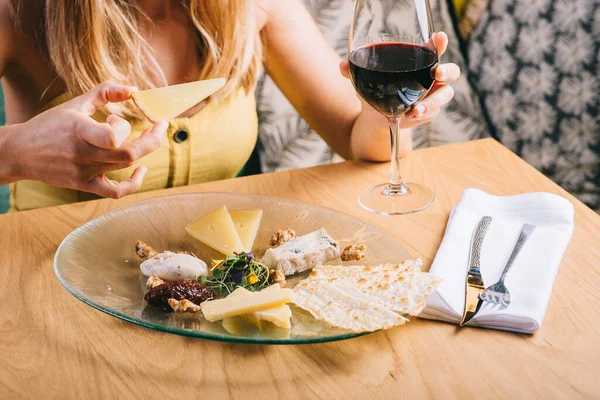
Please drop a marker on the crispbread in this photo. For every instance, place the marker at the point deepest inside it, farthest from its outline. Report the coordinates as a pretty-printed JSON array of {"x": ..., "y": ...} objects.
[
  {"x": 340, "y": 308},
  {"x": 365, "y": 298},
  {"x": 399, "y": 287}
]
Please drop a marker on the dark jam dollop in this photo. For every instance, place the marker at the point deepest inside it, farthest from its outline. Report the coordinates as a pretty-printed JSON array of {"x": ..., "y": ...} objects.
[{"x": 191, "y": 290}]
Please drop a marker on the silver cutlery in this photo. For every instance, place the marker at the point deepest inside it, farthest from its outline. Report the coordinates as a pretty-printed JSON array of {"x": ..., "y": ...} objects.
[
  {"x": 474, "y": 283},
  {"x": 498, "y": 292}
]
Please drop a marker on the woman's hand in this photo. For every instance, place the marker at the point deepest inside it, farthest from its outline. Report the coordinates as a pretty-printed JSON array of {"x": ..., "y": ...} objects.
[
  {"x": 375, "y": 145},
  {"x": 65, "y": 147}
]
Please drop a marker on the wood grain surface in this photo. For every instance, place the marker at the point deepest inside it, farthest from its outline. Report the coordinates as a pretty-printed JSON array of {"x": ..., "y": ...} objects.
[{"x": 54, "y": 346}]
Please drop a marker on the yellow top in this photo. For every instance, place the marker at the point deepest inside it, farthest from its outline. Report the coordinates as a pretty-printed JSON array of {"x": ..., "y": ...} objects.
[{"x": 212, "y": 144}]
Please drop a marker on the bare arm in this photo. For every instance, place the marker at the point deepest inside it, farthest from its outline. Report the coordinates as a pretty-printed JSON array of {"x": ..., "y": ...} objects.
[{"x": 307, "y": 70}]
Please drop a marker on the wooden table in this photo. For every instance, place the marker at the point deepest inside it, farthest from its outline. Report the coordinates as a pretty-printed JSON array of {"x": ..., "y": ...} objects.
[{"x": 53, "y": 345}]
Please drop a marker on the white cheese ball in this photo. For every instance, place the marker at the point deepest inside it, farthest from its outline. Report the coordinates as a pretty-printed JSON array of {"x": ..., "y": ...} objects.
[{"x": 171, "y": 266}]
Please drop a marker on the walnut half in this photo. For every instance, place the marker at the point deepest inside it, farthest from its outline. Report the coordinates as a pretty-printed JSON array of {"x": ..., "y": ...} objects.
[
  {"x": 183, "y": 305},
  {"x": 282, "y": 236},
  {"x": 276, "y": 276},
  {"x": 144, "y": 251},
  {"x": 353, "y": 252},
  {"x": 153, "y": 281}
]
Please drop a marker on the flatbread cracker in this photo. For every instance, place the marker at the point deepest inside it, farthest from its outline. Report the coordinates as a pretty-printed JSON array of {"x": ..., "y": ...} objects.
[
  {"x": 336, "y": 306},
  {"x": 400, "y": 287},
  {"x": 365, "y": 298}
]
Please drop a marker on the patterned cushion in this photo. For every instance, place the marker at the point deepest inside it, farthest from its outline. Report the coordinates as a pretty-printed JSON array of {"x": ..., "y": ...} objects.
[
  {"x": 536, "y": 64},
  {"x": 286, "y": 141}
]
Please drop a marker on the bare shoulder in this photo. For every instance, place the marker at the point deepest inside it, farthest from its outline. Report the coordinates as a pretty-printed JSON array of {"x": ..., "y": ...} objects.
[{"x": 272, "y": 12}]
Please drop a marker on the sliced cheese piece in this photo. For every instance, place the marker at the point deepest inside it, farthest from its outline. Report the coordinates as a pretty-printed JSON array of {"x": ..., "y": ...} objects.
[
  {"x": 216, "y": 230},
  {"x": 166, "y": 103},
  {"x": 240, "y": 326},
  {"x": 231, "y": 306},
  {"x": 278, "y": 316},
  {"x": 246, "y": 223}
]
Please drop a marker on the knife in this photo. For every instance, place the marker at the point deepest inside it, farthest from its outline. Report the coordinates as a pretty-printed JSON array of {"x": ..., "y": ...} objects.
[{"x": 474, "y": 285}]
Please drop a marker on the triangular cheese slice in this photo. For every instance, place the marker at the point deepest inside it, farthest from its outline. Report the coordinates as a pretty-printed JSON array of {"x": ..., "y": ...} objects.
[
  {"x": 166, "y": 103},
  {"x": 246, "y": 223},
  {"x": 216, "y": 230}
]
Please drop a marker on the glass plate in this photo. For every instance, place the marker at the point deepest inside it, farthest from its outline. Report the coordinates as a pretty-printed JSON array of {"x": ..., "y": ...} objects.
[{"x": 98, "y": 265}]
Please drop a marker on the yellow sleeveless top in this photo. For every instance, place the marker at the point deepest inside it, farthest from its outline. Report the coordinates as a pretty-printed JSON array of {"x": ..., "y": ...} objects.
[{"x": 212, "y": 144}]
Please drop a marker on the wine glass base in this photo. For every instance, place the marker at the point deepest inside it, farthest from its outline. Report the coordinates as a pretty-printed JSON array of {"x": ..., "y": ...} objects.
[{"x": 415, "y": 199}]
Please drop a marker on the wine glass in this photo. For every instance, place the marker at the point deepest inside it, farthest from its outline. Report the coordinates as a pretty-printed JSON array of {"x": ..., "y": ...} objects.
[{"x": 392, "y": 63}]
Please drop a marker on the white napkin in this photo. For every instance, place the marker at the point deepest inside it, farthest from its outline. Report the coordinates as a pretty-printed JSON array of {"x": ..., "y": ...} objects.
[{"x": 532, "y": 275}]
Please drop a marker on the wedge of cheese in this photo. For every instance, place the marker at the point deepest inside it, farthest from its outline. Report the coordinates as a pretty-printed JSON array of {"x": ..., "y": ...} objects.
[
  {"x": 278, "y": 316},
  {"x": 246, "y": 223},
  {"x": 166, "y": 103},
  {"x": 216, "y": 230},
  {"x": 232, "y": 306}
]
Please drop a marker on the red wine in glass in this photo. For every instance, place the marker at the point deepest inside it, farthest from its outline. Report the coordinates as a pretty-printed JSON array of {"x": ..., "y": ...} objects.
[
  {"x": 392, "y": 77},
  {"x": 392, "y": 55}
]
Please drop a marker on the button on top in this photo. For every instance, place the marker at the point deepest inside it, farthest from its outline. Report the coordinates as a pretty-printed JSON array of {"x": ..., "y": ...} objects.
[{"x": 180, "y": 136}]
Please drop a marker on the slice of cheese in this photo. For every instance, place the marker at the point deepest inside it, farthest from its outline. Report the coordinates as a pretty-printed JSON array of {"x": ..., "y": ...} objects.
[
  {"x": 278, "y": 316},
  {"x": 246, "y": 223},
  {"x": 240, "y": 326},
  {"x": 231, "y": 306},
  {"x": 166, "y": 103},
  {"x": 216, "y": 230}
]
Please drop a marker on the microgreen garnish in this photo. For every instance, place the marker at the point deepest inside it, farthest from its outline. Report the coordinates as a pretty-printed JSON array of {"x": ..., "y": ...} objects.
[{"x": 241, "y": 270}]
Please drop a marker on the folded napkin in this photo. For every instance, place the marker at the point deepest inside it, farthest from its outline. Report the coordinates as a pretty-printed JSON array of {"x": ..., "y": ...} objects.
[{"x": 532, "y": 275}]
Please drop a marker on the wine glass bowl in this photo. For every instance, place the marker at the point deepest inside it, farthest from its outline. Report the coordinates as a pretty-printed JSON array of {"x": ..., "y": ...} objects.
[
  {"x": 392, "y": 70},
  {"x": 392, "y": 75}
]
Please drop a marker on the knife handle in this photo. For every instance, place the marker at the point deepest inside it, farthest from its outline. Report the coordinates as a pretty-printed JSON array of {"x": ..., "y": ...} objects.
[{"x": 480, "y": 232}]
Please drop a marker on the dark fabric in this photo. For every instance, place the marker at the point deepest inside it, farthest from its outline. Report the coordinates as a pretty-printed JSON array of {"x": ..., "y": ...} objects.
[
  {"x": 536, "y": 64},
  {"x": 252, "y": 166}
]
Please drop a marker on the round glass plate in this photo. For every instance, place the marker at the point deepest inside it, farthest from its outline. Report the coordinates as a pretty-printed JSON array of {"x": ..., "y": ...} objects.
[{"x": 98, "y": 265}]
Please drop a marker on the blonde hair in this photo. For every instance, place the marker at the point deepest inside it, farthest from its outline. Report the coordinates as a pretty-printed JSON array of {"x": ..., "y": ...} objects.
[{"x": 90, "y": 41}]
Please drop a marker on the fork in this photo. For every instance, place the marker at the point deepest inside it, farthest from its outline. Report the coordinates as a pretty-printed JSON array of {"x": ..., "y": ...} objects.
[{"x": 498, "y": 292}]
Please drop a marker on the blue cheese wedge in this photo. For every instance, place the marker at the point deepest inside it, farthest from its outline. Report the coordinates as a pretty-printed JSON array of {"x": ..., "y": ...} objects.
[{"x": 302, "y": 253}]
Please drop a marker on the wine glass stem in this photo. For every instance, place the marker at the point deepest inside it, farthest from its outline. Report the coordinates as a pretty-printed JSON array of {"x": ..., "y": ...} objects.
[{"x": 396, "y": 185}]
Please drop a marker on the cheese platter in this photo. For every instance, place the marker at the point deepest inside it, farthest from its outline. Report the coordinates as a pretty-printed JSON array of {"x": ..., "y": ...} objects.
[{"x": 243, "y": 268}]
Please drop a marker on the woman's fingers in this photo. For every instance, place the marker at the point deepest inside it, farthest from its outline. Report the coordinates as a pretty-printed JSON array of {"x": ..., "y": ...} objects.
[
  {"x": 109, "y": 135},
  {"x": 447, "y": 72},
  {"x": 439, "y": 96},
  {"x": 121, "y": 129},
  {"x": 105, "y": 187},
  {"x": 104, "y": 93},
  {"x": 345, "y": 68},
  {"x": 150, "y": 140},
  {"x": 126, "y": 155},
  {"x": 440, "y": 41},
  {"x": 130, "y": 152}
]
